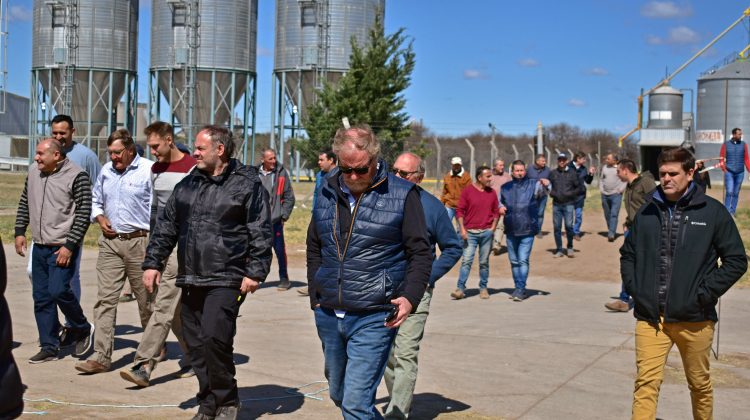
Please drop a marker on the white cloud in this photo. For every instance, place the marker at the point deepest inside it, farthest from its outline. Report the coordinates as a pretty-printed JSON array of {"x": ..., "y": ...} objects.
[
  {"x": 575, "y": 102},
  {"x": 19, "y": 14},
  {"x": 528, "y": 62},
  {"x": 597, "y": 71},
  {"x": 680, "y": 35},
  {"x": 474, "y": 74},
  {"x": 665, "y": 10}
]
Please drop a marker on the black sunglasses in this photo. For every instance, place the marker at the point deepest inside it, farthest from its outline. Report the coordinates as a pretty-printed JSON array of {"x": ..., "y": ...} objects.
[
  {"x": 359, "y": 170},
  {"x": 403, "y": 174}
]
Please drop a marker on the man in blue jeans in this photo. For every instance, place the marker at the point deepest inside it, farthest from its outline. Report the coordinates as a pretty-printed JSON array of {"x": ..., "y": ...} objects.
[
  {"x": 56, "y": 204},
  {"x": 519, "y": 203},
  {"x": 735, "y": 159},
  {"x": 537, "y": 171},
  {"x": 586, "y": 175},
  {"x": 611, "y": 188},
  {"x": 477, "y": 215},
  {"x": 566, "y": 188},
  {"x": 367, "y": 268}
]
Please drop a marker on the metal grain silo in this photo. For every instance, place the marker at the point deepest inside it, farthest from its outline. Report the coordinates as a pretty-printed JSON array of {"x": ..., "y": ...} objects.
[
  {"x": 313, "y": 45},
  {"x": 203, "y": 56},
  {"x": 723, "y": 103},
  {"x": 84, "y": 55}
]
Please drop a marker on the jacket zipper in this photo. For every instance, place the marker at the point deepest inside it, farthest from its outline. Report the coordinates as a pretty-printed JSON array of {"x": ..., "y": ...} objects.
[
  {"x": 41, "y": 211},
  {"x": 342, "y": 256}
]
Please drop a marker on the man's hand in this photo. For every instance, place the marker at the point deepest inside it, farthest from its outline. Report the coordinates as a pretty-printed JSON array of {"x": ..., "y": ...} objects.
[
  {"x": 592, "y": 170},
  {"x": 105, "y": 225},
  {"x": 503, "y": 210},
  {"x": 21, "y": 245},
  {"x": 624, "y": 228},
  {"x": 151, "y": 278},
  {"x": 464, "y": 234},
  {"x": 404, "y": 309},
  {"x": 63, "y": 256},
  {"x": 249, "y": 285},
  {"x": 544, "y": 182}
]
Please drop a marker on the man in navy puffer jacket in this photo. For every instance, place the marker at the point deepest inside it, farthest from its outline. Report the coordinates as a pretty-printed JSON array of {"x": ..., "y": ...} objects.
[{"x": 519, "y": 203}]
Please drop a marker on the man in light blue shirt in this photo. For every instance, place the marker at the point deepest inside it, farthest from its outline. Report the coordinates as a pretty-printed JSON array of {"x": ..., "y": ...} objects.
[
  {"x": 62, "y": 131},
  {"x": 121, "y": 205}
]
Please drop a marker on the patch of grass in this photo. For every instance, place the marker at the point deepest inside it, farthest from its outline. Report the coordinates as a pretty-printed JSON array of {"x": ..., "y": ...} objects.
[{"x": 11, "y": 187}]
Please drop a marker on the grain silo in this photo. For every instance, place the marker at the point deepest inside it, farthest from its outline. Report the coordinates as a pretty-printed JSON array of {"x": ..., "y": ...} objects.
[
  {"x": 313, "y": 45},
  {"x": 723, "y": 103},
  {"x": 84, "y": 55},
  {"x": 665, "y": 126},
  {"x": 203, "y": 56}
]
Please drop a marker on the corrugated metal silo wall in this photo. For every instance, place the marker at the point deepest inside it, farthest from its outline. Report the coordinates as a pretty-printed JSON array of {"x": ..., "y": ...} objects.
[
  {"x": 297, "y": 46},
  {"x": 722, "y": 104},
  {"x": 228, "y": 33},
  {"x": 107, "y": 35}
]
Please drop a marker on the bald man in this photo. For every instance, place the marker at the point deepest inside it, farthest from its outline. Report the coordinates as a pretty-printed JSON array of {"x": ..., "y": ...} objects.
[{"x": 56, "y": 203}]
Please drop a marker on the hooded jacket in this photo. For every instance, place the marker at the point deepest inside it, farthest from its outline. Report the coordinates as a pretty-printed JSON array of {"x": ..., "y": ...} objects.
[
  {"x": 675, "y": 251},
  {"x": 222, "y": 226}
]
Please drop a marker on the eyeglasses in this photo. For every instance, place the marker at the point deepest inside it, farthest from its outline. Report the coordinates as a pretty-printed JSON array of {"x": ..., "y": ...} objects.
[
  {"x": 359, "y": 170},
  {"x": 403, "y": 174}
]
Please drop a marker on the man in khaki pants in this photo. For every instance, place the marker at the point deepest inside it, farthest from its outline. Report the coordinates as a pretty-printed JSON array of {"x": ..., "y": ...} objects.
[
  {"x": 121, "y": 202},
  {"x": 669, "y": 265},
  {"x": 171, "y": 167}
]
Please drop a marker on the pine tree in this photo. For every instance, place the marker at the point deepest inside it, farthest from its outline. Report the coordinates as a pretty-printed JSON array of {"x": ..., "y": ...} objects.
[{"x": 371, "y": 92}]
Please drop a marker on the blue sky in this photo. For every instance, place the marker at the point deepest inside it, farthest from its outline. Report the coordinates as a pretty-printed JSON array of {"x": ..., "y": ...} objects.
[{"x": 582, "y": 62}]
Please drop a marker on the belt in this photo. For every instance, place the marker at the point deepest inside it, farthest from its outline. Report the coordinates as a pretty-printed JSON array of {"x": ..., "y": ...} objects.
[{"x": 126, "y": 236}]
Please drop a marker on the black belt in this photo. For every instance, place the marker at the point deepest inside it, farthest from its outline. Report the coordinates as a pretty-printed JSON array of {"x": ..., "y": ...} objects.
[{"x": 126, "y": 236}]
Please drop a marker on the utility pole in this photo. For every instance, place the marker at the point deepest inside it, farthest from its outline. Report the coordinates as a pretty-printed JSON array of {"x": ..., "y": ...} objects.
[{"x": 539, "y": 138}]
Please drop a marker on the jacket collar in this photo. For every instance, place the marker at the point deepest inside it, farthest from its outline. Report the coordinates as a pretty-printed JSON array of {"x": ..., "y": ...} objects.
[
  {"x": 692, "y": 197},
  {"x": 219, "y": 179}
]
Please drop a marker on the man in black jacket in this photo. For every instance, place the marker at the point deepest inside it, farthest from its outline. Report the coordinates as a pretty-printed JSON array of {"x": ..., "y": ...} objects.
[
  {"x": 586, "y": 175},
  {"x": 367, "y": 255},
  {"x": 11, "y": 388},
  {"x": 669, "y": 265},
  {"x": 219, "y": 215},
  {"x": 566, "y": 187}
]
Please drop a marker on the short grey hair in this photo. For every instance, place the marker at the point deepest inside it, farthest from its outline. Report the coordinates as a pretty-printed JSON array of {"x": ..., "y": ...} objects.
[
  {"x": 361, "y": 136},
  {"x": 221, "y": 135}
]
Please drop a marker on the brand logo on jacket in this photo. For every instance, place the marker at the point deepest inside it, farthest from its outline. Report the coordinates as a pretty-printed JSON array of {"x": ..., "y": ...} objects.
[{"x": 698, "y": 223}]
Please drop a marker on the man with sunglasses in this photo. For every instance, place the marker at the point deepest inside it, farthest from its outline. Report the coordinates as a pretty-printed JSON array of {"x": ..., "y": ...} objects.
[
  {"x": 367, "y": 268},
  {"x": 121, "y": 205},
  {"x": 401, "y": 370}
]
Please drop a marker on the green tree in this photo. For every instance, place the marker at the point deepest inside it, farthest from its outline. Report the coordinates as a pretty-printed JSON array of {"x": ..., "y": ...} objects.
[{"x": 371, "y": 92}]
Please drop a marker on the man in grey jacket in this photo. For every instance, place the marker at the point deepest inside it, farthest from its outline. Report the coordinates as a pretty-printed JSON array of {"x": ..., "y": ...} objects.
[
  {"x": 56, "y": 203},
  {"x": 276, "y": 181},
  {"x": 611, "y": 188}
]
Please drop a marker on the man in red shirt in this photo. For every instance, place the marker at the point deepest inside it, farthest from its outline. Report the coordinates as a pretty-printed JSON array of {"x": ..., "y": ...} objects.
[{"x": 477, "y": 215}]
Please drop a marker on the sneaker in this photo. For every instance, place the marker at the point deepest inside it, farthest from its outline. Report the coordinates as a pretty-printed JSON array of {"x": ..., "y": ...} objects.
[
  {"x": 137, "y": 375},
  {"x": 484, "y": 294},
  {"x": 228, "y": 412},
  {"x": 91, "y": 367},
  {"x": 201, "y": 416},
  {"x": 539, "y": 235},
  {"x": 458, "y": 294},
  {"x": 186, "y": 372},
  {"x": 617, "y": 306},
  {"x": 67, "y": 337},
  {"x": 84, "y": 341},
  {"x": 303, "y": 291},
  {"x": 127, "y": 298},
  {"x": 577, "y": 237},
  {"x": 44, "y": 355},
  {"x": 611, "y": 238},
  {"x": 559, "y": 254},
  {"x": 284, "y": 284},
  {"x": 571, "y": 253},
  {"x": 519, "y": 295}
]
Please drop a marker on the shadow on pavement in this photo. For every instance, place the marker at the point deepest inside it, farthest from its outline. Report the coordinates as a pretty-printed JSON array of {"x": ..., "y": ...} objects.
[{"x": 430, "y": 405}]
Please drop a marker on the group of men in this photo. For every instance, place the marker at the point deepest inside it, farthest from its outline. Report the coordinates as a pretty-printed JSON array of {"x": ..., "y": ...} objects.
[{"x": 370, "y": 273}]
